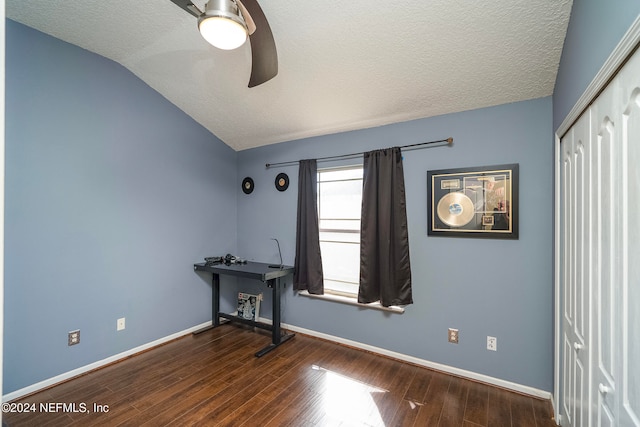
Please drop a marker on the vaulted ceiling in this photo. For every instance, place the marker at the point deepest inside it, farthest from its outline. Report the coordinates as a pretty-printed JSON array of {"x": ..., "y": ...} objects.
[{"x": 343, "y": 65}]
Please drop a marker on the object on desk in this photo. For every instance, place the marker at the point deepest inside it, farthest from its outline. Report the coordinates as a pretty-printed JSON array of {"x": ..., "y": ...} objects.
[
  {"x": 228, "y": 259},
  {"x": 249, "y": 306},
  {"x": 232, "y": 259},
  {"x": 279, "y": 253},
  {"x": 213, "y": 260}
]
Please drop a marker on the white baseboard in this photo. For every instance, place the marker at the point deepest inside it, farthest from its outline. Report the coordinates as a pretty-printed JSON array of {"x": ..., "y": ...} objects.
[
  {"x": 95, "y": 365},
  {"x": 399, "y": 356},
  {"x": 531, "y": 391}
]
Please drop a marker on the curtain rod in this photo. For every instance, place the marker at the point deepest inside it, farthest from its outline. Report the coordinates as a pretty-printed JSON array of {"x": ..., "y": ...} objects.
[{"x": 440, "y": 142}]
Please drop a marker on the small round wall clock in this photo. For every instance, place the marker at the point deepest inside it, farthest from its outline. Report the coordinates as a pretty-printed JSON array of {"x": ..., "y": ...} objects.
[
  {"x": 247, "y": 185},
  {"x": 282, "y": 182}
]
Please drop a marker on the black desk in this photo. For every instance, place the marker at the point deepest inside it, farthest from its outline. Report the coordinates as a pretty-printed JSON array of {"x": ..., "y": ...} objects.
[{"x": 252, "y": 270}]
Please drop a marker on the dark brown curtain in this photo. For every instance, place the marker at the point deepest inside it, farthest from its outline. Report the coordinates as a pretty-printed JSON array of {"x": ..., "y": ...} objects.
[
  {"x": 308, "y": 266},
  {"x": 385, "y": 271}
]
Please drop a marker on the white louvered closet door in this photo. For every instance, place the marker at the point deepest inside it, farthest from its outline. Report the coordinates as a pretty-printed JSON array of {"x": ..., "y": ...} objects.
[
  {"x": 576, "y": 237},
  {"x": 606, "y": 228},
  {"x": 629, "y": 394},
  {"x": 600, "y": 244}
]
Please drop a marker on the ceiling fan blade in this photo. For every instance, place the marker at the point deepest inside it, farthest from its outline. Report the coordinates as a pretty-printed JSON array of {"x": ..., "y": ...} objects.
[
  {"x": 188, "y": 6},
  {"x": 264, "y": 57},
  {"x": 251, "y": 26}
]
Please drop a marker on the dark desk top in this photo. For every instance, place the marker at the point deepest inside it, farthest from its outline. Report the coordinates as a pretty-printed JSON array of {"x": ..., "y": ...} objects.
[{"x": 252, "y": 270}]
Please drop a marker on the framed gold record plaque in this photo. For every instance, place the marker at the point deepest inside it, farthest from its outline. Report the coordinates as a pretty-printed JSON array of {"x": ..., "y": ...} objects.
[{"x": 474, "y": 202}]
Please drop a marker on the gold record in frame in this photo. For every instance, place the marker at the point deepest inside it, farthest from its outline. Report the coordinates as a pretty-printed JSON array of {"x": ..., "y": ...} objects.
[
  {"x": 455, "y": 209},
  {"x": 479, "y": 202}
]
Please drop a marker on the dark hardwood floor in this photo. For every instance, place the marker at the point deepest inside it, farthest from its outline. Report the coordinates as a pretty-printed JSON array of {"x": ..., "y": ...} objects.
[{"x": 213, "y": 379}]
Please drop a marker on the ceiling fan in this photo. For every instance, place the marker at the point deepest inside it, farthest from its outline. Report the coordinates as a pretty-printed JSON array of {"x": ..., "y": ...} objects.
[{"x": 226, "y": 25}]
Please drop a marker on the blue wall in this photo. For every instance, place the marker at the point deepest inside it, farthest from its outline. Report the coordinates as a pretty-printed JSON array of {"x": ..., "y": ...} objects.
[
  {"x": 482, "y": 287},
  {"x": 595, "y": 29},
  {"x": 111, "y": 194}
]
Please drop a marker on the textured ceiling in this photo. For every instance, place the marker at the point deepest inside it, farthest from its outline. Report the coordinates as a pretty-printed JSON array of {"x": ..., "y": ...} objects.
[{"x": 343, "y": 65}]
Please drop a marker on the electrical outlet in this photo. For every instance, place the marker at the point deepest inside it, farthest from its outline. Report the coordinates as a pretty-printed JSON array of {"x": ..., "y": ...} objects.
[
  {"x": 74, "y": 337},
  {"x": 453, "y": 335},
  {"x": 120, "y": 324},
  {"x": 492, "y": 343}
]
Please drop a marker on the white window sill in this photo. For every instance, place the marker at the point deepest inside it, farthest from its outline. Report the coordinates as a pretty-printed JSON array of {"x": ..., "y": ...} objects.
[{"x": 353, "y": 301}]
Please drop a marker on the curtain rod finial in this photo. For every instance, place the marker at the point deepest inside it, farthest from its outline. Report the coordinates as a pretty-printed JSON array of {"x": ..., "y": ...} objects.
[{"x": 450, "y": 140}]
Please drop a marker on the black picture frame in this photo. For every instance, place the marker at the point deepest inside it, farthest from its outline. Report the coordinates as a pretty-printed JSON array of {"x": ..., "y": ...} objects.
[{"x": 475, "y": 202}]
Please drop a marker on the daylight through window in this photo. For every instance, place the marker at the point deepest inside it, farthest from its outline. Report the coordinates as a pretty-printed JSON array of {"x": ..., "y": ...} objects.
[{"x": 339, "y": 209}]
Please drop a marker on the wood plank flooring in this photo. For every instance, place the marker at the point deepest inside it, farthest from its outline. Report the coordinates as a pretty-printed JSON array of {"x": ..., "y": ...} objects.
[{"x": 214, "y": 379}]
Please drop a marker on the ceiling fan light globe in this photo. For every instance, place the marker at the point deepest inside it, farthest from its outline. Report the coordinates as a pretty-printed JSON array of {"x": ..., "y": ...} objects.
[{"x": 222, "y": 32}]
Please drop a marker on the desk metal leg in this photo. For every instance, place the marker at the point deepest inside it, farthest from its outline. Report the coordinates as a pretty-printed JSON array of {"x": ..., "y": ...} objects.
[
  {"x": 276, "y": 334},
  {"x": 215, "y": 304},
  {"x": 215, "y": 300}
]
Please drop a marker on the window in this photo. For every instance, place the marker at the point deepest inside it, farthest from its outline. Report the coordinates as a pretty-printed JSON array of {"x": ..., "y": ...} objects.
[{"x": 339, "y": 208}]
